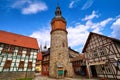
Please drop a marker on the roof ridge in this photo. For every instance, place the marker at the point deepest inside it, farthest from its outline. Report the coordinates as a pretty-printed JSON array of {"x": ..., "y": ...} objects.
[
  {"x": 106, "y": 36},
  {"x": 16, "y": 34},
  {"x": 113, "y": 39},
  {"x": 18, "y": 40}
]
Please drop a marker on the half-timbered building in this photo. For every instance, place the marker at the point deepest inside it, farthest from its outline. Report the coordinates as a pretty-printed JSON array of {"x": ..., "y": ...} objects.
[
  {"x": 72, "y": 53},
  {"x": 79, "y": 65},
  {"x": 17, "y": 56},
  {"x": 45, "y": 62},
  {"x": 39, "y": 63},
  {"x": 102, "y": 56}
]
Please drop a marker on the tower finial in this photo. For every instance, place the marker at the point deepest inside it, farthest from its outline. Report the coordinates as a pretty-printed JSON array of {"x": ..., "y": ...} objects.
[
  {"x": 45, "y": 47},
  {"x": 58, "y": 11}
]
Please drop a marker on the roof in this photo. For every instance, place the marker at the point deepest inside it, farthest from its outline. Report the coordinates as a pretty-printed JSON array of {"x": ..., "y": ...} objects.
[
  {"x": 80, "y": 57},
  {"x": 18, "y": 40},
  {"x": 91, "y": 33},
  {"x": 73, "y": 50},
  {"x": 39, "y": 56},
  {"x": 46, "y": 53},
  {"x": 58, "y": 15}
]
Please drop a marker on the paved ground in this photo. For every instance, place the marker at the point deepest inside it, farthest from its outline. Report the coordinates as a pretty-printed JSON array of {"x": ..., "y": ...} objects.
[{"x": 38, "y": 77}]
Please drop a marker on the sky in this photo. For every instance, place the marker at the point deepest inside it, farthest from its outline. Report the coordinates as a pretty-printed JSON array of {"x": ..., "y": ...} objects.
[{"x": 33, "y": 17}]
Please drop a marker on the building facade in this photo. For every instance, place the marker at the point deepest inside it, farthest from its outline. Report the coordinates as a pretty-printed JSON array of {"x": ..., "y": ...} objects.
[
  {"x": 59, "y": 57},
  {"x": 39, "y": 63},
  {"x": 72, "y": 53},
  {"x": 102, "y": 56},
  {"x": 79, "y": 65},
  {"x": 17, "y": 55},
  {"x": 45, "y": 62}
]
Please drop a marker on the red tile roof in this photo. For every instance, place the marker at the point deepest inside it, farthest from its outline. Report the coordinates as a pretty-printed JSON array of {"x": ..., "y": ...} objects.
[
  {"x": 39, "y": 56},
  {"x": 18, "y": 40}
]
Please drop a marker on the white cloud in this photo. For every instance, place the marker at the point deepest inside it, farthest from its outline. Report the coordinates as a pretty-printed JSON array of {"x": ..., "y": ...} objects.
[
  {"x": 20, "y": 3},
  {"x": 77, "y": 35},
  {"x": 104, "y": 22},
  {"x": 29, "y": 6},
  {"x": 89, "y": 17},
  {"x": 34, "y": 8},
  {"x": 42, "y": 36},
  {"x": 116, "y": 28},
  {"x": 88, "y": 4},
  {"x": 72, "y": 3},
  {"x": 98, "y": 26}
]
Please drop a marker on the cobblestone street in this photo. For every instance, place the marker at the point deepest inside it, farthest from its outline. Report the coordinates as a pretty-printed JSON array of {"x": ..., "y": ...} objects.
[{"x": 47, "y": 78}]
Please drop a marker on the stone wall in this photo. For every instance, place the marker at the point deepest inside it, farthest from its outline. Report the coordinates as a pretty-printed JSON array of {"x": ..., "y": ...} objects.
[
  {"x": 59, "y": 54},
  {"x": 15, "y": 75}
]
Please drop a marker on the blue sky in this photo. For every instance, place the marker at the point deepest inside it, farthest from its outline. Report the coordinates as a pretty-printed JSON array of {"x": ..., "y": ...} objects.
[{"x": 33, "y": 17}]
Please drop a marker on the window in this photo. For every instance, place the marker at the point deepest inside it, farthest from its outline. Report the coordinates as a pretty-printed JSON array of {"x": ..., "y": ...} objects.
[
  {"x": 1, "y": 45},
  {"x": 63, "y": 45},
  {"x": 5, "y": 49},
  {"x": 0, "y": 59},
  {"x": 28, "y": 52},
  {"x": 20, "y": 51},
  {"x": 30, "y": 65},
  {"x": 7, "y": 64},
  {"x": 108, "y": 69},
  {"x": 102, "y": 51},
  {"x": 12, "y": 48},
  {"x": 95, "y": 54},
  {"x": 21, "y": 64}
]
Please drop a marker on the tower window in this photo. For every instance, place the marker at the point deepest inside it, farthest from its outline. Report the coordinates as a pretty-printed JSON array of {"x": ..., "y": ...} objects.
[{"x": 63, "y": 45}]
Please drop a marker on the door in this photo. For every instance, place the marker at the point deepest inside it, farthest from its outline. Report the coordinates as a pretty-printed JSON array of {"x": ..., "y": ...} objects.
[{"x": 93, "y": 71}]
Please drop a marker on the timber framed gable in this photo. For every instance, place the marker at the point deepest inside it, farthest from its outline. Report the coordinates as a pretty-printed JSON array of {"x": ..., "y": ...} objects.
[{"x": 100, "y": 53}]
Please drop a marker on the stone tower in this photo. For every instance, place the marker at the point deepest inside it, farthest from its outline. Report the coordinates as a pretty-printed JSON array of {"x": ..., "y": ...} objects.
[{"x": 59, "y": 55}]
